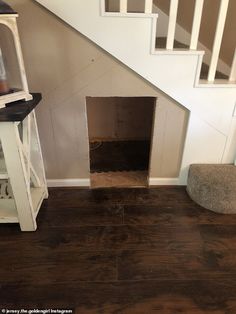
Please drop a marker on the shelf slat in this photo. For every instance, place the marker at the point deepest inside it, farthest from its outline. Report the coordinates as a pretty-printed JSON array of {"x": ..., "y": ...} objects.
[
  {"x": 3, "y": 170},
  {"x": 38, "y": 195},
  {"x": 8, "y": 213}
]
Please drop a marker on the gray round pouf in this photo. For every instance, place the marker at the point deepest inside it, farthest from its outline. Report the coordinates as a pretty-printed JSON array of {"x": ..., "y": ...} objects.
[{"x": 213, "y": 187}]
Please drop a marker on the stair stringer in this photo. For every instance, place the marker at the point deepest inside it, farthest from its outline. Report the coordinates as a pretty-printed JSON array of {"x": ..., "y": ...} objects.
[{"x": 130, "y": 38}]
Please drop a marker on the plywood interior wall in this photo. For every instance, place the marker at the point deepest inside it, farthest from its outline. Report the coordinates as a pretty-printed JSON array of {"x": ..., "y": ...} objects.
[
  {"x": 66, "y": 68},
  {"x": 120, "y": 118},
  {"x": 170, "y": 126}
]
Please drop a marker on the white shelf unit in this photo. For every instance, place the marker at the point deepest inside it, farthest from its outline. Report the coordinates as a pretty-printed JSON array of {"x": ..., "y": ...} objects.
[
  {"x": 22, "y": 178},
  {"x": 8, "y": 209}
]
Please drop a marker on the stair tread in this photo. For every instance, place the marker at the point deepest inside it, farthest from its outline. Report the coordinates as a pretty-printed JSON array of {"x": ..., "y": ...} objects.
[{"x": 161, "y": 44}]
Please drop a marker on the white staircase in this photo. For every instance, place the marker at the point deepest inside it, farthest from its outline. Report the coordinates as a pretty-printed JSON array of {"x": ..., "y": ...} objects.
[{"x": 131, "y": 37}]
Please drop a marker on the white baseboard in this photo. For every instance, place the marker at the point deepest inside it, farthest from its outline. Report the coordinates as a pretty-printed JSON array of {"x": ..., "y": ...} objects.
[
  {"x": 163, "y": 181},
  {"x": 86, "y": 182},
  {"x": 68, "y": 183}
]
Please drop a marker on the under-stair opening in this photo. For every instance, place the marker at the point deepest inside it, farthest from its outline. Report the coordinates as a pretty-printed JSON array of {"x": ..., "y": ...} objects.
[{"x": 120, "y": 133}]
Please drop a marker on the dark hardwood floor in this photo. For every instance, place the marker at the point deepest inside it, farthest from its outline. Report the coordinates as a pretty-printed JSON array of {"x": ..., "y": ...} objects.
[{"x": 121, "y": 251}]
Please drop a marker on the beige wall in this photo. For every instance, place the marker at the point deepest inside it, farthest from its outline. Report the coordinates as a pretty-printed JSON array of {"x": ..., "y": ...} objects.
[
  {"x": 66, "y": 68},
  {"x": 209, "y": 19},
  {"x": 123, "y": 118}
]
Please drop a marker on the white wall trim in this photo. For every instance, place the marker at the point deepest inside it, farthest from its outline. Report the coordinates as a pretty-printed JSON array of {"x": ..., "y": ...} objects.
[
  {"x": 68, "y": 182},
  {"x": 163, "y": 181}
]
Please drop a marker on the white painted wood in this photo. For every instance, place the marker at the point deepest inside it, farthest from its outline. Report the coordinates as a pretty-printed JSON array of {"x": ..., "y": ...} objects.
[
  {"x": 2, "y": 67},
  {"x": 8, "y": 212},
  {"x": 38, "y": 195},
  {"x": 129, "y": 15},
  {"x": 229, "y": 154},
  {"x": 17, "y": 172},
  {"x": 226, "y": 84},
  {"x": 3, "y": 176},
  {"x": 154, "y": 35},
  {"x": 15, "y": 157},
  {"x": 232, "y": 77},
  {"x": 176, "y": 52},
  {"x": 7, "y": 16},
  {"x": 11, "y": 23},
  {"x": 123, "y": 6},
  {"x": 40, "y": 155},
  {"x": 14, "y": 97},
  {"x": 69, "y": 182},
  {"x": 26, "y": 129},
  {"x": 26, "y": 150},
  {"x": 148, "y": 6},
  {"x": 172, "y": 24},
  {"x": 3, "y": 170},
  {"x": 185, "y": 37},
  {"x": 14, "y": 28},
  {"x": 102, "y": 7},
  {"x": 196, "y": 24},
  {"x": 201, "y": 135},
  {"x": 218, "y": 39},
  {"x": 27, "y": 199},
  {"x": 32, "y": 174}
]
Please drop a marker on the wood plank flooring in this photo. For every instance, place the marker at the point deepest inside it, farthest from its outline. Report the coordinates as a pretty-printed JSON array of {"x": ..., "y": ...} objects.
[{"x": 121, "y": 251}]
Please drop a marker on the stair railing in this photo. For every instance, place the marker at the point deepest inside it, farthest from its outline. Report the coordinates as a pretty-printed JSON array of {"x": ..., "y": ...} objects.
[
  {"x": 172, "y": 24},
  {"x": 123, "y": 6},
  {"x": 232, "y": 77},
  {"x": 218, "y": 39},
  {"x": 197, "y": 19},
  {"x": 196, "y": 24},
  {"x": 148, "y": 6}
]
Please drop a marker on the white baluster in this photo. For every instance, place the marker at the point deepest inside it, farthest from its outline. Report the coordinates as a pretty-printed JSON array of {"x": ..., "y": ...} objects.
[
  {"x": 232, "y": 77},
  {"x": 172, "y": 24},
  {"x": 103, "y": 6},
  {"x": 196, "y": 23},
  {"x": 123, "y": 6},
  {"x": 148, "y": 6},
  {"x": 218, "y": 39}
]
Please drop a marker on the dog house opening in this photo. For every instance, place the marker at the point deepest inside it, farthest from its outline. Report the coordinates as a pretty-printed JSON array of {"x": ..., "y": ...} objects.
[{"x": 120, "y": 136}]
